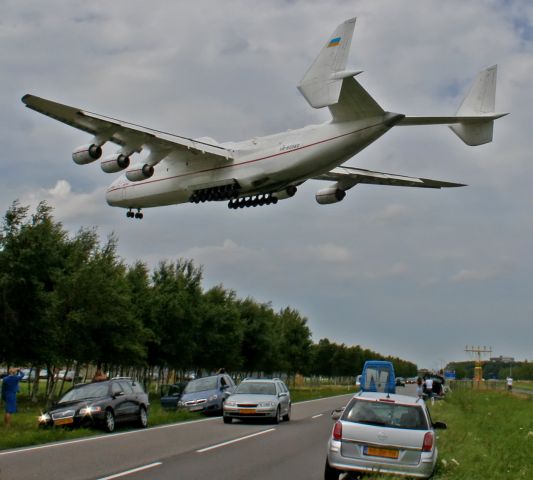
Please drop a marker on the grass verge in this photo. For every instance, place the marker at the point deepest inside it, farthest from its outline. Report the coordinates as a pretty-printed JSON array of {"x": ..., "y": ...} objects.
[{"x": 489, "y": 436}]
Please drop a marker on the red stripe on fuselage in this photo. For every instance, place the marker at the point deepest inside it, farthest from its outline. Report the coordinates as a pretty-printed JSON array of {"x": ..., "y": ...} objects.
[{"x": 242, "y": 163}]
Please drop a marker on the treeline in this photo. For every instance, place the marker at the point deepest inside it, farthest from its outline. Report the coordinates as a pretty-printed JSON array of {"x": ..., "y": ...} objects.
[
  {"x": 70, "y": 301},
  {"x": 494, "y": 370}
]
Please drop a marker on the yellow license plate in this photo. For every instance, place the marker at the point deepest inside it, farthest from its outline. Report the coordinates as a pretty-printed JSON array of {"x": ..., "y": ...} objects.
[
  {"x": 247, "y": 410},
  {"x": 63, "y": 421},
  {"x": 381, "y": 452}
]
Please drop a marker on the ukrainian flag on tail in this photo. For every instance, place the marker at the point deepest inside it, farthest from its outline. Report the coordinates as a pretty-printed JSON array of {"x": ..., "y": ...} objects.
[{"x": 334, "y": 42}]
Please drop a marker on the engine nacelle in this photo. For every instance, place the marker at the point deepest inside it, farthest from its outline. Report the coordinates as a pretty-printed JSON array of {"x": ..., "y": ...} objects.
[
  {"x": 115, "y": 163},
  {"x": 328, "y": 195},
  {"x": 140, "y": 172},
  {"x": 86, "y": 154},
  {"x": 289, "y": 192}
]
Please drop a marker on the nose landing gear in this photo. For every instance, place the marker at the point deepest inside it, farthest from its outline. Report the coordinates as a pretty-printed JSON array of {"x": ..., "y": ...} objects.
[{"x": 138, "y": 214}]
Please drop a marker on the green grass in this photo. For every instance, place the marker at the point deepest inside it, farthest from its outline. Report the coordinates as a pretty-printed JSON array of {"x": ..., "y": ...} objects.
[
  {"x": 524, "y": 385},
  {"x": 489, "y": 436},
  {"x": 24, "y": 430},
  {"x": 301, "y": 394}
]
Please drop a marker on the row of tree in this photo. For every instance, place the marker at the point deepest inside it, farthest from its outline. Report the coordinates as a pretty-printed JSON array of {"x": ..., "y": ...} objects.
[
  {"x": 494, "y": 370},
  {"x": 71, "y": 301}
]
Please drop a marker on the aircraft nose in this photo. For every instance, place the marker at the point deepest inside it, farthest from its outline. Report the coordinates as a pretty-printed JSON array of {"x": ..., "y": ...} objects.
[{"x": 113, "y": 195}]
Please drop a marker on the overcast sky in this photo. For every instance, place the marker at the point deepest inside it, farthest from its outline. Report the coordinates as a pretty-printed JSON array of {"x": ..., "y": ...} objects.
[{"x": 408, "y": 272}]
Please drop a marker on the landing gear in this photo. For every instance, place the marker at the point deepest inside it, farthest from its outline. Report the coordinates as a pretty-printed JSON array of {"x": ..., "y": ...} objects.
[
  {"x": 211, "y": 194},
  {"x": 254, "y": 201},
  {"x": 138, "y": 214}
]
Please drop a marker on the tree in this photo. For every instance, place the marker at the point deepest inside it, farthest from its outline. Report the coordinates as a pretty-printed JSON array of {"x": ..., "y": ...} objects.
[{"x": 295, "y": 341}]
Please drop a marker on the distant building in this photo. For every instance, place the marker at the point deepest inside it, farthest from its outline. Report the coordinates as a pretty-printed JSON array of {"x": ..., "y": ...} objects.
[{"x": 502, "y": 359}]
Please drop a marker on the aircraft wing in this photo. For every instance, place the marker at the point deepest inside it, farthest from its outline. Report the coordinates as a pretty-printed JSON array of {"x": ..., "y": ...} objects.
[
  {"x": 131, "y": 137},
  {"x": 348, "y": 177}
]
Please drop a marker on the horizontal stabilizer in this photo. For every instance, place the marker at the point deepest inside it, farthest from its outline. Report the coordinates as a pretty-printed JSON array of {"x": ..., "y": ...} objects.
[{"x": 474, "y": 121}]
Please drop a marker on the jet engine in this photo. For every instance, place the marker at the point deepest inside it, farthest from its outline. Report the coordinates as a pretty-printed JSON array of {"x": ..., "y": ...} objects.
[
  {"x": 115, "y": 163},
  {"x": 328, "y": 195},
  {"x": 289, "y": 192},
  {"x": 140, "y": 172},
  {"x": 86, "y": 154}
]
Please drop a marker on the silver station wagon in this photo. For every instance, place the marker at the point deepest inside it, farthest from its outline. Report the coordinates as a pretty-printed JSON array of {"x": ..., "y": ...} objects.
[
  {"x": 383, "y": 433},
  {"x": 259, "y": 398}
]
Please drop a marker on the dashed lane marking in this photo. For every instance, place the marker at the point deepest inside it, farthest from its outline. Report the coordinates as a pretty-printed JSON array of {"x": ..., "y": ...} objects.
[
  {"x": 133, "y": 470},
  {"x": 240, "y": 439}
]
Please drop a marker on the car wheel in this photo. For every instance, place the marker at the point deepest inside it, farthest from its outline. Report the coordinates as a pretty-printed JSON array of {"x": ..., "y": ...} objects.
[
  {"x": 331, "y": 473},
  {"x": 227, "y": 419},
  {"x": 143, "y": 417},
  {"x": 287, "y": 416},
  {"x": 109, "y": 424},
  {"x": 277, "y": 419}
]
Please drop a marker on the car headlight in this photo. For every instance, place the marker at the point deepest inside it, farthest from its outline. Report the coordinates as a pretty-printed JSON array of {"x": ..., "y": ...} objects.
[
  {"x": 44, "y": 418},
  {"x": 230, "y": 403},
  {"x": 212, "y": 397},
  {"x": 266, "y": 404},
  {"x": 90, "y": 410}
]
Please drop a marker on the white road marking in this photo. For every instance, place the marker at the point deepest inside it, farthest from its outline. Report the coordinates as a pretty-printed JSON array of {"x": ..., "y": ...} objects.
[
  {"x": 103, "y": 437},
  {"x": 133, "y": 470},
  {"x": 316, "y": 416},
  {"x": 218, "y": 445}
]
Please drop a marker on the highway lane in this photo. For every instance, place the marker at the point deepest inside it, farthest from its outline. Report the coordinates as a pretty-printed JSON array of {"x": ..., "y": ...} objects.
[{"x": 296, "y": 449}]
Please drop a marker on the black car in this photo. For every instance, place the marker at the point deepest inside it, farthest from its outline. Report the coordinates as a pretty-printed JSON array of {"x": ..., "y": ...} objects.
[
  {"x": 101, "y": 404},
  {"x": 171, "y": 395}
]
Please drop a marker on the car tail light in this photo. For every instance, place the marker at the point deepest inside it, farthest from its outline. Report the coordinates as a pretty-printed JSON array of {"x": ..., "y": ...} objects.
[
  {"x": 337, "y": 431},
  {"x": 428, "y": 442}
]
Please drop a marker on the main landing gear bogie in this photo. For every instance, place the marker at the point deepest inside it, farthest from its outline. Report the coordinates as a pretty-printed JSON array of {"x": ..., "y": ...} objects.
[
  {"x": 254, "y": 201},
  {"x": 138, "y": 214}
]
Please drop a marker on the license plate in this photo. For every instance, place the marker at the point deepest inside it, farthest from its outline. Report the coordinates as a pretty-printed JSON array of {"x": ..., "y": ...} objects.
[
  {"x": 63, "y": 421},
  {"x": 247, "y": 410},
  {"x": 381, "y": 452},
  {"x": 195, "y": 409}
]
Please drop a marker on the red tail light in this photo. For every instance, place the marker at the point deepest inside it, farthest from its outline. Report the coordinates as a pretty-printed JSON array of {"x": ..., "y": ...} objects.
[
  {"x": 337, "y": 431},
  {"x": 428, "y": 442}
]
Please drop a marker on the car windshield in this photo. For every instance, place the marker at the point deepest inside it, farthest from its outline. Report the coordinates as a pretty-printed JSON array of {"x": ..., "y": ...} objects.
[
  {"x": 201, "y": 385},
  {"x": 386, "y": 414},
  {"x": 91, "y": 390},
  {"x": 258, "y": 388}
]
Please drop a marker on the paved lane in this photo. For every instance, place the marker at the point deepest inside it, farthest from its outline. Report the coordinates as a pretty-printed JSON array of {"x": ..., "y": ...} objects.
[{"x": 171, "y": 451}]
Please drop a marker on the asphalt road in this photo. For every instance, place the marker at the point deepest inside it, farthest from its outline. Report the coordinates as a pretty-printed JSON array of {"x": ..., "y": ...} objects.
[{"x": 206, "y": 449}]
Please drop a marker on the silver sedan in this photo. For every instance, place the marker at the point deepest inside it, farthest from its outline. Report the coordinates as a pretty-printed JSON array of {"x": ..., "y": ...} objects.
[
  {"x": 383, "y": 433},
  {"x": 259, "y": 398}
]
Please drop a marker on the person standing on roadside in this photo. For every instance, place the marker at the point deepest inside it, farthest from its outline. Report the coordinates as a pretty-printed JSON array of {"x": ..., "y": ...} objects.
[
  {"x": 429, "y": 387},
  {"x": 419, "y": 388},
  {"x": 509, "y": 383},
  {"x": 10, "y": 388}
]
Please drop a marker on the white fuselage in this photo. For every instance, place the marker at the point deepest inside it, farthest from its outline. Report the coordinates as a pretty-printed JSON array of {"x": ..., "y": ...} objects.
[{"x": 261, "y": 165}]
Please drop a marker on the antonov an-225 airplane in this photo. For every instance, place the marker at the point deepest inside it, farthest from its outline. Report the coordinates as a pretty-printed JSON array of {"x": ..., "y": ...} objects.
[{"x": 263, "y": 170}]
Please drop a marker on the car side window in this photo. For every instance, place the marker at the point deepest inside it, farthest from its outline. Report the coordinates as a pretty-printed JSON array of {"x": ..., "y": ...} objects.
[
  {"x": 115, "y": 388},
  {"x": 137, "y": 388},
  {"x": 126, "y": 387}
]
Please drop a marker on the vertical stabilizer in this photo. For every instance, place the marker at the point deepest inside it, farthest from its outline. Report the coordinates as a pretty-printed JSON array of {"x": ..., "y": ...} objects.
[
  {"x": 321, "y": 85},
  {"x": 479, "y": 101}
]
